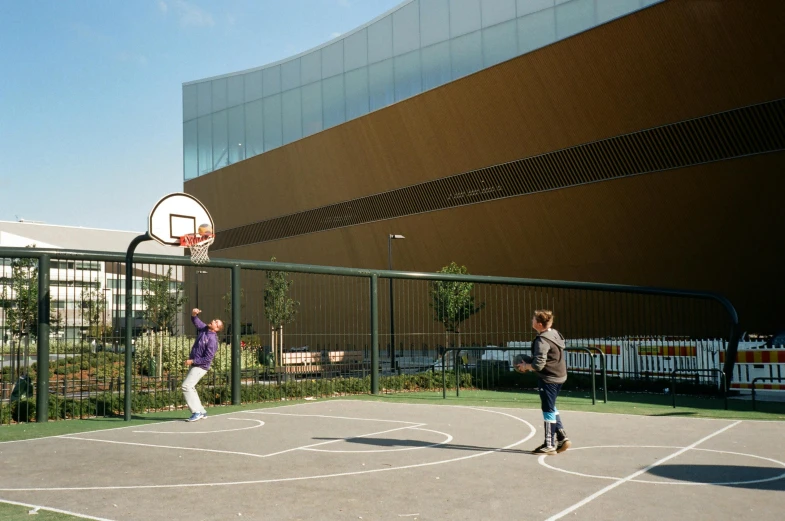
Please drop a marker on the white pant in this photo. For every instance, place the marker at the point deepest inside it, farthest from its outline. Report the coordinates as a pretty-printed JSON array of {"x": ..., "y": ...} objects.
[{"x": 189, "y": 389}]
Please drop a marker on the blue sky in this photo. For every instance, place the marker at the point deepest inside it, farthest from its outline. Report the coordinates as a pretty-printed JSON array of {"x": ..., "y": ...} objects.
[{"x": 91, "y": 92}]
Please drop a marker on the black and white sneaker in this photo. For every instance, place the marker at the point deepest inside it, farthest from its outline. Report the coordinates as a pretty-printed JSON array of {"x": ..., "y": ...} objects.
[
  {"x": 545, "y": 449},
  {"x": 562, "y": 445}
]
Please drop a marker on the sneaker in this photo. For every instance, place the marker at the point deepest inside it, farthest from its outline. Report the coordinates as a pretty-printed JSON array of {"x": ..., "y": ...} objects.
[
  {"x": 195, "y": 417},
  {"x": 563, "y": 445},
  {"x": 544, "y": 449},
  {"x": 202, "y": 415}
]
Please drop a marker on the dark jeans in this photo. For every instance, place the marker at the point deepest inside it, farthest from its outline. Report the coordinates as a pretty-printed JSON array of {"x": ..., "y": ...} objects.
[{"x": 548, "y": 395}]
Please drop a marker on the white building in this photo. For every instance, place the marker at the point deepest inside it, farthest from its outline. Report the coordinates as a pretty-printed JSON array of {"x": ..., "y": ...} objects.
[{"x": 73, "y": 282}]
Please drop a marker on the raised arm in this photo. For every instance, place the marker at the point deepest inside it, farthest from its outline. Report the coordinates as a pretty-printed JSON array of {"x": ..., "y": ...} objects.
[{"x": 195, "y": 319}]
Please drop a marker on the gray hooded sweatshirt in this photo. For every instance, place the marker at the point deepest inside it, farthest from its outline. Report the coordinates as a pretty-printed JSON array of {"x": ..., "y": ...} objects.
[{"x": 547, "y": 358}]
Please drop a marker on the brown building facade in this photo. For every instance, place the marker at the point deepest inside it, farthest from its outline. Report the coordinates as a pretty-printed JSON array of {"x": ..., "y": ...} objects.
[{"x": 649, "y": 150}]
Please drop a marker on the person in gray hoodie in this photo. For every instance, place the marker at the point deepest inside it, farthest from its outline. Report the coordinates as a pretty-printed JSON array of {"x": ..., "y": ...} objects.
[{"x": 548, "y": 361}]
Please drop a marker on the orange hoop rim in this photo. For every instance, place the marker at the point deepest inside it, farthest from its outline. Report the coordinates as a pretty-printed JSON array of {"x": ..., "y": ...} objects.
[{"x": 194, "y": 239}]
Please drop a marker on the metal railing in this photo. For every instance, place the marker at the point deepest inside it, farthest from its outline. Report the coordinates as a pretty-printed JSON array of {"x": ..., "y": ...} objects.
[
  {"x": 762, "y": 379},
  {"x": 84, "y": 302},
  {"x": 723, "y": 387}
]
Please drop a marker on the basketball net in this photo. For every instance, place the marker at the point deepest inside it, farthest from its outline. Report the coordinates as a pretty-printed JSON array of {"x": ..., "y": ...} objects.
[{"x": 198, "y": 244}]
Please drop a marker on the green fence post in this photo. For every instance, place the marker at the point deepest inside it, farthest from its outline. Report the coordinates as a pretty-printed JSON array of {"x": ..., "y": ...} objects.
[
  {"x": 236, "y": 310},
  {"x": 374, "y": 334},
  {"x": 42, "y": 358}
]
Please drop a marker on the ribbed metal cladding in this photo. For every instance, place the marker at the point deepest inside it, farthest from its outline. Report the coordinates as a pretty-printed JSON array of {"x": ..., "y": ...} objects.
[{"x": 740, "y": 132}]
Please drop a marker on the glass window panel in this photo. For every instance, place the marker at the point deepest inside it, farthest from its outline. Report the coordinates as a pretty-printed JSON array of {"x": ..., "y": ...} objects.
[
  {"x": 254, "y": 129},
  {"x": 497, "y": 11},
  {"x": 332, "y": 59},
  {"x": 292, "y": 116},
  {"x": 499, "y": 43},
  {"x": 190, "y": 102},
  {"x": 609, "y": 9},
  {"x": 574, "y": 17},
  {"x": 356, "y": 86},
  {"x": 205, "y": 144},
  {"x": 380, "y": 40},
  {"x": 355, "y": 50},
  {"x": 536, "y": 30},
  {"x": 381, "y": 84},
  {"x": 220, "y": 140},
  {"x": 406, "y": 28},
  {"x": 434, "y": 21},
  {"x": 253, "y": 85},
  {"x": 290, "y": 74},
  {"x": 219, "y": 94},
  {"x": 333, "y": 101},
  {"x": 236, "y": 134},
  {"x": 646, "y": 3},
  {"x": 408, "y": 79},
  {"x": 204, "y": 93},
  {"x": 311, "y": 67},
  {"x": 436, "y": 65},
  {"x": 273, "y": 131},
  {"x": 466, "y": 53},
  {"x": 190, "y": 159},
  {"x": 464, "y": 17},
  {"x": 234, "y": 94},
  {"x": 271, "y": 80},
  {"x": 525, "y": 7},
  {"x": 312, "y": 108}
]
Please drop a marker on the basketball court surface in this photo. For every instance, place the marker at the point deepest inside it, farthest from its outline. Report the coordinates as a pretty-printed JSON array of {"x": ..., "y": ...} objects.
[{"x": 347, "y": 459}]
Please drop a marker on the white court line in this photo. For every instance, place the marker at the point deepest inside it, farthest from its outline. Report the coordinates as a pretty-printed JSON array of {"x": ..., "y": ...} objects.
[
  {"x": 235, "y": 453},
  {"x": 136, "y": 426},
  {"x": 50, "y": 509},
  {"x": 333, "y": 417},
  {"x": 542, "y": 462},
  {"x": 259, "y": 424},
  {"x": 447, "y": 440},
  {"x": 532, "y": 432},
  {"x": 634, "y": 475},
  {"x": 308, "y": 447}
]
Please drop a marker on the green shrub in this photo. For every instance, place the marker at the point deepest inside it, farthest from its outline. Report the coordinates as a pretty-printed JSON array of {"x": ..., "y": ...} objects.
[{"x": 23, "y": 411}]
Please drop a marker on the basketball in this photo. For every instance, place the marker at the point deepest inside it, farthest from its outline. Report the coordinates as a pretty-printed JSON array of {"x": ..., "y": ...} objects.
[
  {"x": 517, "y": 360},
  {"x": 205, "y": 229}
]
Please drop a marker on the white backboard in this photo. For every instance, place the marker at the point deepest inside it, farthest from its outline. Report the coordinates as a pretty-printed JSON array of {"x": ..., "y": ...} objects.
[{"x": 176, "y": 215}]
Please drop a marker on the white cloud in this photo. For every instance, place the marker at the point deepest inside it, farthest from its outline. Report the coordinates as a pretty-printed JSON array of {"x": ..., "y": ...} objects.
[
  {"x": 335, "y": 35},
  {"x": 188, "y": 14},
  {"x": 344, "y": 3}
]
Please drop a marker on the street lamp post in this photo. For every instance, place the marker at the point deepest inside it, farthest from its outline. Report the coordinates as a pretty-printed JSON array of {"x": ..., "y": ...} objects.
[
  {"x": 390, "y": 238},
  {"x": 198, "y": 272}
]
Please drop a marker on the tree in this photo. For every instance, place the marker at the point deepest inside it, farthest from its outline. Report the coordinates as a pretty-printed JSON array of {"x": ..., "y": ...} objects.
[
  {"x": 93, "y": 303},
  {"x": 452, "y": 301},
  {"x": 279, "y": 309},
  {"x": 21, "y": 303},
  {"x": 162, "y": 299}
]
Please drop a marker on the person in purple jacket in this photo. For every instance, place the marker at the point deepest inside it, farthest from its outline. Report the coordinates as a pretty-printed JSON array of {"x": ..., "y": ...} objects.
[{"x": 199, "y": 361}]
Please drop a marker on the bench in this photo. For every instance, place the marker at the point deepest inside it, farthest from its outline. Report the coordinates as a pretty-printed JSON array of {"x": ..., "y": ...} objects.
[
  {"x": 300, "y": 363},
  {"x": 341, "y": 362}
]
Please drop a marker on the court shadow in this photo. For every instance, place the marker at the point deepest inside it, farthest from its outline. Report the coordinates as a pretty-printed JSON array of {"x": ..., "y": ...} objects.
[
  {"x": 390, "y": 443},
  {"x": 685, "y": 413},
  {"x": 733, "y": 476}
]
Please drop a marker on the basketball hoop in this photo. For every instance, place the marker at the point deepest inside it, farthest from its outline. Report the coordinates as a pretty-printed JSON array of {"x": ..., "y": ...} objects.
[{"x": 198, "y": 244}]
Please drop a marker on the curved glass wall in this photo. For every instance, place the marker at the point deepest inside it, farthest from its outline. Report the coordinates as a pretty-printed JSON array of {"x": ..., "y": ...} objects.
[{"x": 419, "y": 45}]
